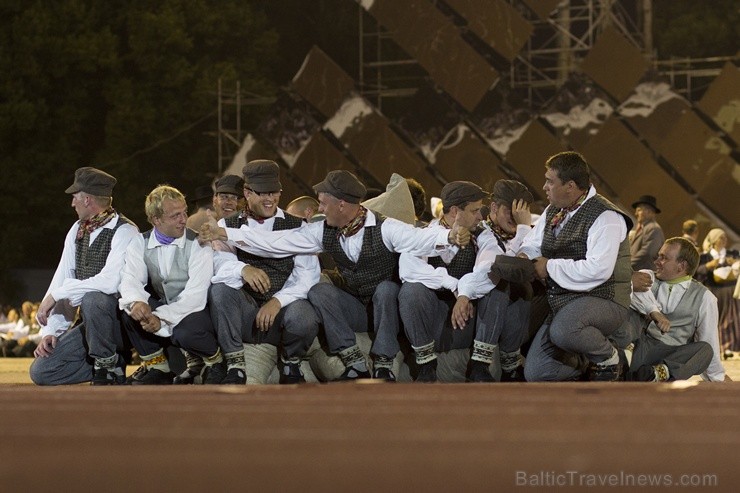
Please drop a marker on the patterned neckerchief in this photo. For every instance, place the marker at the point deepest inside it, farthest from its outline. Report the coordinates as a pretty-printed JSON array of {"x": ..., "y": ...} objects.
[
  {"x": 247, "y": 212},
  {"x": 560, "y": 215},
  {"x": 98, "y": 220},
  {"x": 498, "y": 231},
  {"x": 354, "y": 225},
  {"x": 473, "y": 234}
]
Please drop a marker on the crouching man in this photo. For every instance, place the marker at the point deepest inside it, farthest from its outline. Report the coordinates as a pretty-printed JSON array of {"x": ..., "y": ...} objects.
[{"x": 164, "y": 287}]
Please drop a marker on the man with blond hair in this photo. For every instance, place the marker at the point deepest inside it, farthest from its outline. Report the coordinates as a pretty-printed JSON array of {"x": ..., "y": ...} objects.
[{"x": 164, "y": 287}]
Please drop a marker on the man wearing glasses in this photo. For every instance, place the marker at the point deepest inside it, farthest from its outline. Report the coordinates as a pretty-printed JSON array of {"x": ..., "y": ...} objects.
[{"x": 261, "y": 301}]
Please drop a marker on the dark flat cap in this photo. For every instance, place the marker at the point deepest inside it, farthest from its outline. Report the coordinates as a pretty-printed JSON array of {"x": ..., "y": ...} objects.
[
  {"x": 649, "y": 200},
  {"x": 507, "y": 191},
  {"x": 262, "y": 175},
  {"x": 92, "y": 181},
  {"x": 512, "y": 269},
  {"x": 201, "y": 193},
  {"x": 232, "y": 184},
  {"x": 342, "y": 185},
  {"x": 461, "y": 192}
]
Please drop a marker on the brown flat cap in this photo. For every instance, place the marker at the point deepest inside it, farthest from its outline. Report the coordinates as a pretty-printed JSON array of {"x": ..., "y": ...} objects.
[
  {"x": 507, "y": 191},
  {"x": 461, "y": 192},
  {"x": 92, "y": 181},
  {"x": 262, "y": 175},
  {"x": 343, "y": 185},
  {"x": 231, "y": 184}
]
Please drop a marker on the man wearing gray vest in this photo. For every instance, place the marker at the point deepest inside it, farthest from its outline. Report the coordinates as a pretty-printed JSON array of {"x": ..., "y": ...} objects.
[
  {"x": 87, "y": 277},
  {"x": 581, "y": 251},
  {"x": 164, "y": 286},
  {"x": 365, "y": 247},
  {"x": 676, "y": 321},
  {"x": 258, "y": 300}
]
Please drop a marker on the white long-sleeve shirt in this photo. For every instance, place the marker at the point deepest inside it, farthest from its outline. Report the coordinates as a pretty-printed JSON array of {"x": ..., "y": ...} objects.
[
  {"x": 477, "y": 284},
  {"x": 135, "y": 278},
  {"x": 602, "y": 248},
  {"x": 64, "y": 285},
  {"x": 397, "y": 237},
  {"x": 667, "y": 300},
  {"x": 228, "y": 268}
]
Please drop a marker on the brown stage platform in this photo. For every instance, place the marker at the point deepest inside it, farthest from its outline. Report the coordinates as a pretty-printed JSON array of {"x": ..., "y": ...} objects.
[{"x": 371, "y": 437}]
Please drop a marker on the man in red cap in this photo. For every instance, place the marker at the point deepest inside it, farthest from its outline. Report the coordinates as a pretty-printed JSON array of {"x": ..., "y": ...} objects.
[{"x": 87, "y": 277}]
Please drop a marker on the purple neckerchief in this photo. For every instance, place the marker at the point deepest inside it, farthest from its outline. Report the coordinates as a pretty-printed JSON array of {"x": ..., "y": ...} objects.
[{"x": 163, "y": 238}]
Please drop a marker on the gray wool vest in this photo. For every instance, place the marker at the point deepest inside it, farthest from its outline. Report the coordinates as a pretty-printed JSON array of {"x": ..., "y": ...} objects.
[
  {"x": 277, "y": 269},
  {"x": 684, "y": 318},
  {"x": 571, "y": 243},
  {"x": 375, "y": 264},
  {"x": 90, "y": 259},
  {"x": 167, "y": 290}
]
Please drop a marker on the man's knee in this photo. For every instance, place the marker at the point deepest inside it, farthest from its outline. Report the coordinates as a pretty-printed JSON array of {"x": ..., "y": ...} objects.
[
  {"x": 386, "y": 290},
  {"x": 301, "y": 318},
  {"x": 411, "y": 291},
  {"x": 320, "y": 292},
  {"x": 95, "y": 301},
  {"x": 218, "y": 293},
  {"x": 704, "y": 353},
  {"x": 40, "y": 371}
]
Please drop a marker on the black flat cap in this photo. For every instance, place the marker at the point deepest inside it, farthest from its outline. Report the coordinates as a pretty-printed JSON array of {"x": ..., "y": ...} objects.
[
  {"x": 92, "y": 181},
  {"x": 262, "y": 175},
  {"x": 232, "y": 184},
  {"x": 342, "y": 185},
  {"x": 507, "y": 191},
  {"x": 461, "y": 192}
]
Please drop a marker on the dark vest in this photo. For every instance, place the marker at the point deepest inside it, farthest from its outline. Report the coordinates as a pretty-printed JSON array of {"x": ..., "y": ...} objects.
[
  {"x": 463, "y": 261},
  {"x": 571, "y": 243},
  {"x": 277, "y": 269},
  {"x": 90, "y": 259},
  {"x": 375, "y": 264}
]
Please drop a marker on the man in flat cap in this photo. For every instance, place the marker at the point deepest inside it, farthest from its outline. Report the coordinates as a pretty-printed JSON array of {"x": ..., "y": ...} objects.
[
  {"x": 229, "y": 192},
  {"x": 203, "y": 201},
  {"x": 365, "y": 247},
  {"x": 87, "y": 277},
  {"x": 580, "y": 250},
  {"x": 647, "y": 237},
  {"x": 257, "y": 300},
  {"x": 427, "y": 298},
  {"x": 164, "y": 287},
  {"x": 503, "y": 306}
]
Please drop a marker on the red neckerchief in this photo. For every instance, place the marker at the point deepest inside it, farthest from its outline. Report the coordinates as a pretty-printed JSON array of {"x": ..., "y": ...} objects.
[
  {"x": 98, "y": 220},
  {"x": 354, "y": 225},
  {"x": 560, "y": 215},
  {"x": 248, "y": 213}
]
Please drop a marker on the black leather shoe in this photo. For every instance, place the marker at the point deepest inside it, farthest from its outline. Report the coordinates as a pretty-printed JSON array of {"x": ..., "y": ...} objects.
[
  {"x": 291, "y": 374},
  {"x": 189, "y": 376},
  {"x": 235, "y": 376},
  {"x": 352, "y": 373},
  {"x": 515, "y": 375},
  {"x": 427, "y": 372},
  {"x": 103, "y": 376},
  {"x": 152, "y": 377},
  {"x": 609, "y": 373},
  {"x": 214, "y": 374},
  {"x": 384, "y": 373},
  {"x": 479, "y": 373}
]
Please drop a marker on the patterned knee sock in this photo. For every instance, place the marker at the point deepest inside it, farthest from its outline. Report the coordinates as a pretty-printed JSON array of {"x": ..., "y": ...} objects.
[
  {"x": 483, "y": 352},
  {"x": 236, "y": 360},
  {"x": 509, "y": 361},
  {"x": 215, "y": 359},
  {"x": 661, "y": 373},
  {"x": 193, "y": 362},
  {"x": 156, "y": 361},
  {"x": 424, "y": 354},
  {"x": 109, "y": 364},
  {"x": 353, "y": 357},
  {"x": 383, "y": 362}
]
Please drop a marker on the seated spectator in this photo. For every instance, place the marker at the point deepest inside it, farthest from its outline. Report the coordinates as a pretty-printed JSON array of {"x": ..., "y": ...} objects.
[
  {"x": 690, "y": 230},
  {"x": 718, "y": 271}
]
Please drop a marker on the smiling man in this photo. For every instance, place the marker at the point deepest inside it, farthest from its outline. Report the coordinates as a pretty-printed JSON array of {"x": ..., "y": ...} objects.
[
  {"x": 681, "y": 338},
  {"x": 164, "y": 287}
]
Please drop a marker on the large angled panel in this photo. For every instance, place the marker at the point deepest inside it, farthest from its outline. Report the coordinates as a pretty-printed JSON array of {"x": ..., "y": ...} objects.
[
  {"x": 615, "y": 64},
  {"x": 543, "y": 8},
  {"x": 317, "y": 158},
  {"x": 578, "y": 111},
  {"x": 652, "y": 110},
  {"x": 427, "y": 118},
  {"x": 428, "y": 36},
  {"x": 368, "y": 137},
  {"x": 288, "y": 126},
  {"x": 322, "y": 82},
  {"x": 628, "y": 168},
  {"x": 528, "y": 155},
  {"x": 497, "y": 23},
  {"x": 463, "y": 156},
  {"x": 721, "y": 102}
]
